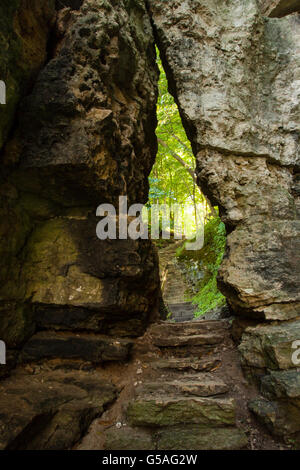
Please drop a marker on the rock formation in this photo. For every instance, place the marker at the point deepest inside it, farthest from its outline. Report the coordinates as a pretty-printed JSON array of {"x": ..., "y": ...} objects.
[
  {"x": 78, "y": 130},
  {"x": 233, "y": 74},
  {"x": 25, "y": 28},
  {"x": 85, "y": 135}
]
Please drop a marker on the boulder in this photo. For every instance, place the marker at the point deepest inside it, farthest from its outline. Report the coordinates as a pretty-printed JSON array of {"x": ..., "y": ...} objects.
[
  {"x": 281, "y": 384},
  {"x": 50, "y": 410},
  {"x": 270, "y": 346},
  {"x": 282, "y": 419}
]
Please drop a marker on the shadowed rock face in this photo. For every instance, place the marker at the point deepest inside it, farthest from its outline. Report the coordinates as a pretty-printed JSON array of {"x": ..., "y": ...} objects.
[
  {"x": 25, "y": 27},
  {"x": 233, "y": 74},
  {"x": 85, "y": 135},
  {"x": 50, "y": 411}
]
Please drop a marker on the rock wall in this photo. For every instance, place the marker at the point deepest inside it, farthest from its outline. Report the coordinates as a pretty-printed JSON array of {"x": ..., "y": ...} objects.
[
  {"x": 233, "y": 74},
  {"x": 25, "y": 27},
  {"x": 84, "y": 136},
  {"x": 81, "y": 76}
]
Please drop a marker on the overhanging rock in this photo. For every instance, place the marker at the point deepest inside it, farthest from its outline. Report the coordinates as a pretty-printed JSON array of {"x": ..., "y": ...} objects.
[{"x": 233, "y": 74}]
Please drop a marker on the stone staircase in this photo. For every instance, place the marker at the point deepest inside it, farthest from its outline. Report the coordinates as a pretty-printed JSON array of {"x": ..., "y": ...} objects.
[
  {"x": 182, "y": 401},
  {"x": 175, "y": 289}
]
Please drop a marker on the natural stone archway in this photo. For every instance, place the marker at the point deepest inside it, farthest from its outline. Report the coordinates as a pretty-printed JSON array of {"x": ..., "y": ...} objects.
[{"x": 85, "y": 135}]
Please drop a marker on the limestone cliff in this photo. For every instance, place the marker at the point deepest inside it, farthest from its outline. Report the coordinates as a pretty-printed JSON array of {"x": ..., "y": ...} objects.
[
  {"x": 85, "y": 135},
  {"x": 234, "y": 74},
  {"x": 78, "y": 130},
  {"x": 24, "y": 32}
]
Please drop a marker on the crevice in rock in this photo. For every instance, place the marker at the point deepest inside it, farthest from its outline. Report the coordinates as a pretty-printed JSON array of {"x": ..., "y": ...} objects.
[{"x": 84, "y": 135}]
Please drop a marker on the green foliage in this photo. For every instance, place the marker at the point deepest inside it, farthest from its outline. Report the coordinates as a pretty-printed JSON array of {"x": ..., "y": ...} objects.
[
  {"x": 170, "y": 182},
  {"x": 202, "y": 266}
]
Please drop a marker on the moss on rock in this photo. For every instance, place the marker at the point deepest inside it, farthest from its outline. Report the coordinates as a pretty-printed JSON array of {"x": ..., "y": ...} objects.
[{"x": 201, "y": 267}]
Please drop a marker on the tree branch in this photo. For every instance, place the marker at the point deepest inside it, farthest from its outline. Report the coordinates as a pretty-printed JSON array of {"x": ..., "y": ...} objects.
[
  {"x": 180, "y": 160},
  {"x": 188, "y": 169}
]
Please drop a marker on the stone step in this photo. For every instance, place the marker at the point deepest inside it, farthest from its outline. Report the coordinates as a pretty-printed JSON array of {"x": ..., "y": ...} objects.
[
  {"x": 181, "y": 307},
  {"x": 88, "y": 347},
  {"x": 164, "y": 329},
  {"x": 174, "y": 297},
  {"x": 201, "y": 365},
  {"x": 174, "y": 287},
  {"x": 201, "y": 438},
  {"x": 192, "y": 340},
  {"x": 187, "y": 437},
  {"x": 201, "y": 385},
  {"x": 182, "y": 318},
  {"x": 170, "y": 411}
]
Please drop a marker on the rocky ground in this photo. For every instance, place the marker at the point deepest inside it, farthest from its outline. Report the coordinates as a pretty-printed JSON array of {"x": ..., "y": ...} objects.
[{"x": 185, "y": 390}]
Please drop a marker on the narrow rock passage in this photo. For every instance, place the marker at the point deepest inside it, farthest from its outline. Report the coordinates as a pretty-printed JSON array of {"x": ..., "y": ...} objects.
[{"x": 175, "y": 289}]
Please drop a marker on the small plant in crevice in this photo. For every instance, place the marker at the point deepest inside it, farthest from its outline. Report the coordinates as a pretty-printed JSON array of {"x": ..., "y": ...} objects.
[{"x": 201, "y": 267}]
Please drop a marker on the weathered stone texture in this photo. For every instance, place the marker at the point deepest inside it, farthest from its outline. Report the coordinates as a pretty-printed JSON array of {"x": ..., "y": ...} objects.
[
  {"x": 24, "y": 32},
  {"x": 281, "y": 418},
  {"x": 234, "y": 76},
  {"x": 50, "y": 411},
  {"x": 201, "y": 438},
  {"x": 85, "y": 136},
  {"x": 270, "y": 346}
]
